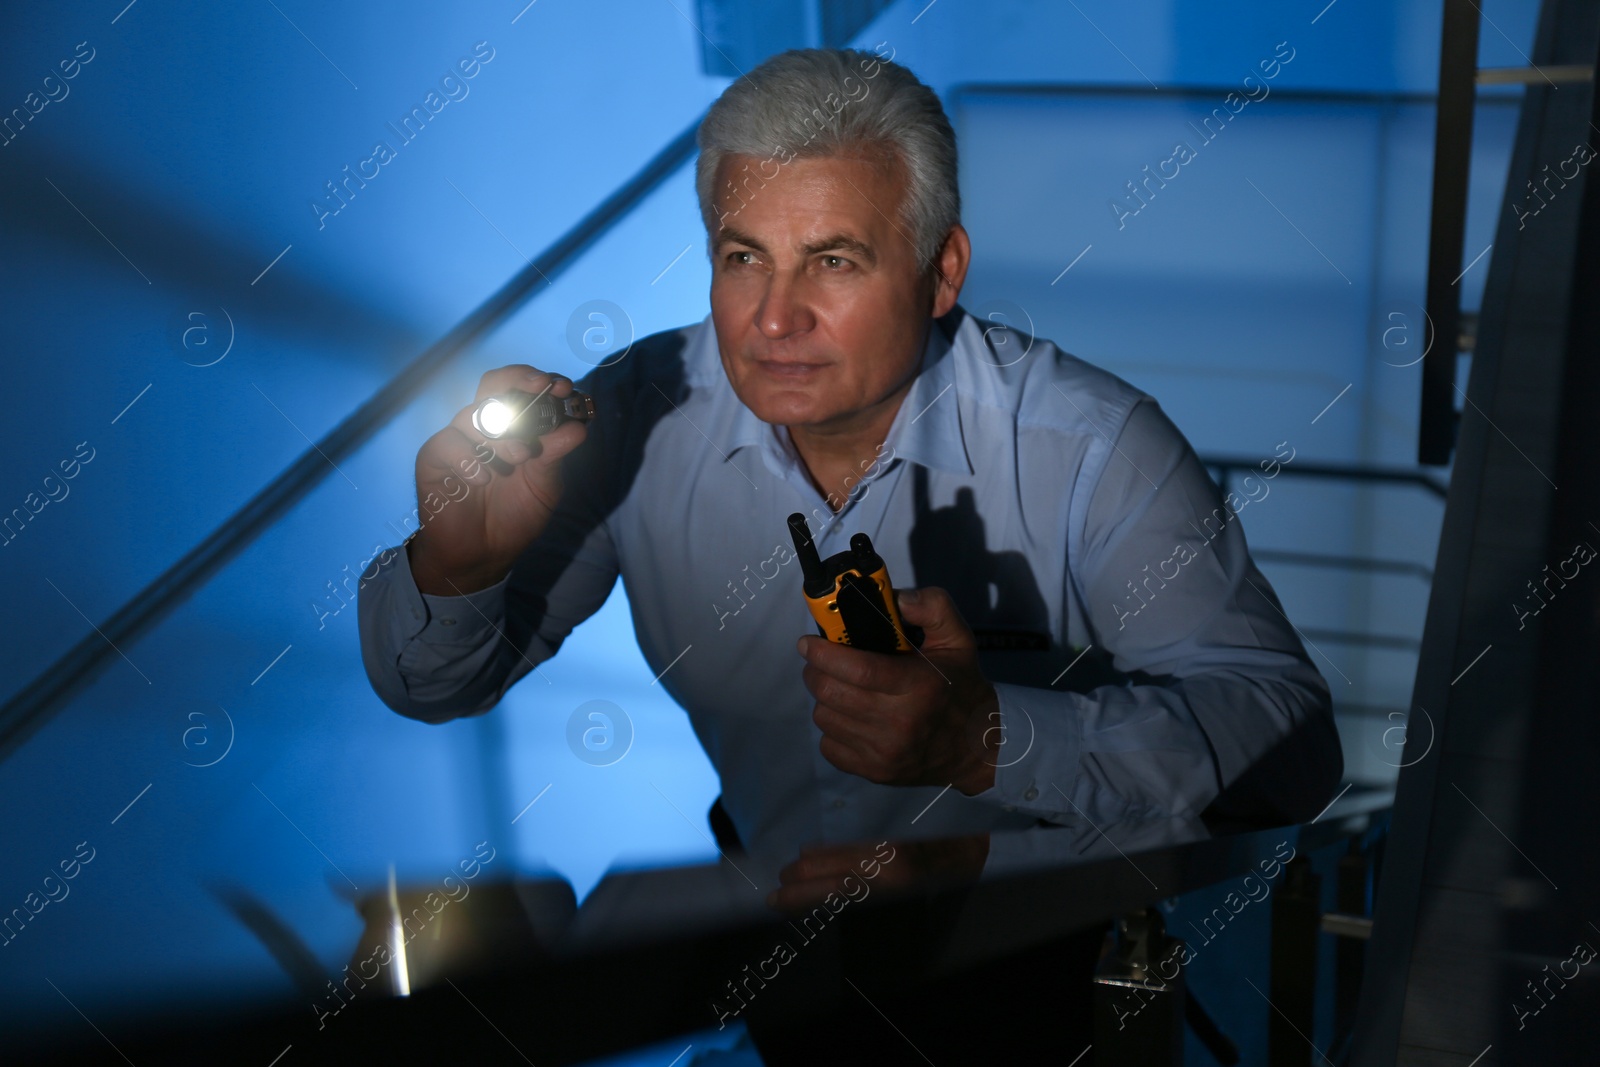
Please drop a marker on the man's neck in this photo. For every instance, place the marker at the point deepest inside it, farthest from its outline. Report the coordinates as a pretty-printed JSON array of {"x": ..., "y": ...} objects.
[{"x": 837, "y": 455}]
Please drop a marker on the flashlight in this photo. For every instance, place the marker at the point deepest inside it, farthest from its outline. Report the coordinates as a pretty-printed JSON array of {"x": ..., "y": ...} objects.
[
  {"x": 849, "y": 593},
  {"x": 524, "y": 416}
]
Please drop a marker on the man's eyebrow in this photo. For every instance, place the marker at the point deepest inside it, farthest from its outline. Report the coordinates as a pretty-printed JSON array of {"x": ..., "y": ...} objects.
[
  {"x": 842, "y": 242},
  {"x": 839, "y": 241},
  {"x": 729, "y": 235}
]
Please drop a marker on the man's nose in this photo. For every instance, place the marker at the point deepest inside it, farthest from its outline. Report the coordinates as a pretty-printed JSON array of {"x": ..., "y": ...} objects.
[{"x": 784, "y": 310}]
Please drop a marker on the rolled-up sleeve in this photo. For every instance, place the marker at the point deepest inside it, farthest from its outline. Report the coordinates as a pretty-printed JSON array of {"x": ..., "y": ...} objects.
[{"x": 1223, "y": 712}]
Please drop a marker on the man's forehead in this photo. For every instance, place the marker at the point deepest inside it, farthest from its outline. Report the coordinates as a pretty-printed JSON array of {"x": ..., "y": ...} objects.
[
  {"x": 809, "y": 204},
  {"x": 817, "y": 238}
]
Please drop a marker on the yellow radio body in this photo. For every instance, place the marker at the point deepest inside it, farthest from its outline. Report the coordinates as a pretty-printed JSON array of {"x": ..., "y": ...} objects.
[{"x": 849, "y": 593}]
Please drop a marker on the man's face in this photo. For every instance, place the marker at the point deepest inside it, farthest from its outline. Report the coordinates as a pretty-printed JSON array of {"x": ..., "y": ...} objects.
[{"x": 819, "y": 308}]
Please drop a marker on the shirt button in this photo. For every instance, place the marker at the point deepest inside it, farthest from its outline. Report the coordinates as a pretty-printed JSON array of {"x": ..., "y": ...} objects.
[
  {"x": 1031, "y": 794},
  {"x": 839, "y": 803},
  {"x": 1008, "y": 807},
  {"x": 452, "y": 622},
  {"x": 415, "y": 614}
]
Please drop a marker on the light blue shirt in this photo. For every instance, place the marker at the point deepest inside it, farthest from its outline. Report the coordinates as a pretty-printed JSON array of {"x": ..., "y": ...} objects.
[{"x": 1049, "y": 496}]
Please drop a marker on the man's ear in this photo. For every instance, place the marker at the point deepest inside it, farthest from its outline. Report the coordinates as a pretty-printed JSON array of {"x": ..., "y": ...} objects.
[{"x": 949, "y": 269}]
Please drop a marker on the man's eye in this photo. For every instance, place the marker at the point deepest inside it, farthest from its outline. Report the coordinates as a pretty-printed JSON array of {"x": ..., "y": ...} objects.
[
  {"x": 835, "y": 262},
  {"x": 733, "y": 257}
]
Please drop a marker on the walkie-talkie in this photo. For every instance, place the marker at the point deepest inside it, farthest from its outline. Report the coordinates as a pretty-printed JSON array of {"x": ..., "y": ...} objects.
[{"x": 849, "y": 593}]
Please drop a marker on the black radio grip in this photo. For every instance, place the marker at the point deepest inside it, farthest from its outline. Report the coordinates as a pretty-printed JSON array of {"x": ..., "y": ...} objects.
[{"x": 867, "y": 623}]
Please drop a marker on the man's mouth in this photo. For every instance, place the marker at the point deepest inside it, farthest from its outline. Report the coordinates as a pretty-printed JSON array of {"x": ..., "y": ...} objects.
[{"x": 789, "y": 368}]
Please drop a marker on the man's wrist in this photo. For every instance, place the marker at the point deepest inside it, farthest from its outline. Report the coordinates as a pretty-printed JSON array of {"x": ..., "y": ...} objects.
[
  {"x": 434, "y": 581},
  {"x": 984, "y": 736},
  {"x": 980, "y": 780}
]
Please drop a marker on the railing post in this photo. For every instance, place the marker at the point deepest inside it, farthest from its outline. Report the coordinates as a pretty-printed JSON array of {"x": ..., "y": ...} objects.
[
  {"x": 1296, "y": 922},
  {"x": 1139, "y": 995}
]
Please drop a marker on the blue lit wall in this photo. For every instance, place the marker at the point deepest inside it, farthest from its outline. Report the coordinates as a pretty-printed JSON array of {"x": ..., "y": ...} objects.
[{"x": 185, "y": 303}]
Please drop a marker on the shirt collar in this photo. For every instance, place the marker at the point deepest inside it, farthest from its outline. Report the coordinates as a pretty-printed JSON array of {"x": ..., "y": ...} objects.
[{"x": 926, "y": 430}]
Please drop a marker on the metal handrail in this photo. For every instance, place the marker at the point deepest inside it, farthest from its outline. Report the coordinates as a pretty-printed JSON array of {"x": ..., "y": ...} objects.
[
  {"x": 1353, "y": 563},
  {"x": 1225, "y": 466},
  {"x": 1354, "y": 472}
]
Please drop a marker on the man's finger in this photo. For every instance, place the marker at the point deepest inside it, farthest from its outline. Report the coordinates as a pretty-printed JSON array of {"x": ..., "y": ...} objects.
[
  {"x": 879, "y": 672},
  {"x": 842, "y": 696},
  {"x": 846, "y": 758},
  {"x": 933, "y": 609},
  {"x": 450, "y": 451},
  {"x": 853, "y": 731},
  {"x": 524, "y": 377}
]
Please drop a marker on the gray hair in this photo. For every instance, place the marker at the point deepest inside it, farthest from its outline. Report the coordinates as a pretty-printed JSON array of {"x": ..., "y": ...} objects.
[{"x": 821, "y": 102}]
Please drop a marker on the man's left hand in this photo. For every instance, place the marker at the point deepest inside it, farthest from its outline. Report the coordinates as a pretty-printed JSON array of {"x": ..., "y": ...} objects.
[{"x": 927, "y": 717}]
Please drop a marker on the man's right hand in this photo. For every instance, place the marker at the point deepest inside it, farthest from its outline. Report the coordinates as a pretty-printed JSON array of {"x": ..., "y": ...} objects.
[{"x": 477, "y": 521}]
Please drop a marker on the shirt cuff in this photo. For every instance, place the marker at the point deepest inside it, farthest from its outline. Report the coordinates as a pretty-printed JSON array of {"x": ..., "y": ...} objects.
[
  {"x": 450, "y": 620},
  {"x": 1037, "y": 764}
]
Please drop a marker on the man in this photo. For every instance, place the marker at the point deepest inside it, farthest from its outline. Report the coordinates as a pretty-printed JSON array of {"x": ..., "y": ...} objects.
[{"x": 1133, "y": 660}]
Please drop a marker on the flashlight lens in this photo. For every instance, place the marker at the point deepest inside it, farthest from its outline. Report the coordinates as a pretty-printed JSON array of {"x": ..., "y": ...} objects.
[{"x": 495, "y": 418}]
